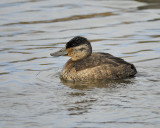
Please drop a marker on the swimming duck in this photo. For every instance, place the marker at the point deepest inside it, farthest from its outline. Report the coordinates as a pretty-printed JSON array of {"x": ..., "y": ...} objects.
[{"x": 85, "y": 65}]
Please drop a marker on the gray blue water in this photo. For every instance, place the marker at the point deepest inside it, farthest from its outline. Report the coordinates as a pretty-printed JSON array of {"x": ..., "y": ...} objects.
[{"x": 31, "y": 93}]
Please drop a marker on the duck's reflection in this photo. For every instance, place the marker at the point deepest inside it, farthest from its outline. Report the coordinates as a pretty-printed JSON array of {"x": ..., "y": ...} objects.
[
  {"x": 82, "y": 99},
  {"x": 152, "y": 4},
  {"x": 97, "y": 83},
  {"x": 149, "y": 1}
]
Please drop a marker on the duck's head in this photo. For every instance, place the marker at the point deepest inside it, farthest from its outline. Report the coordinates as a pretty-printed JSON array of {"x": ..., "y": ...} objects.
[{"x": 77, "y": 48}]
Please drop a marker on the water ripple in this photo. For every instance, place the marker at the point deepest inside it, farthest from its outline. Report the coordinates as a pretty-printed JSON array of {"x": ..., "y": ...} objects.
[{"x": 30, "y": 86}]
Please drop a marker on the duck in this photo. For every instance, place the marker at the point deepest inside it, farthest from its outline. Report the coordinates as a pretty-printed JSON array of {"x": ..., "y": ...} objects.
[{"x": 86, "y": 65}]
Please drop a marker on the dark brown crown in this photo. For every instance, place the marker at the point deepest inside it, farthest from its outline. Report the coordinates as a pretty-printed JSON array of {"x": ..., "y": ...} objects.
[{"x": 77, "y": 41}]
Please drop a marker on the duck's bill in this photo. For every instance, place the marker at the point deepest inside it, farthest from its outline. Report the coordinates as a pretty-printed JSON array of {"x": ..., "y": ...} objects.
[{"x": 61, "y": 52}]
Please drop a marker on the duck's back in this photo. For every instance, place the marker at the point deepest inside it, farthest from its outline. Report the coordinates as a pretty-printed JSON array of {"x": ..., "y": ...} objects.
[{"x": 98, "y": 66}]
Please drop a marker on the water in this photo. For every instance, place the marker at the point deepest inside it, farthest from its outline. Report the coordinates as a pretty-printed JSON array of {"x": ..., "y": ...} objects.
[{"x": 31, "y": 93}]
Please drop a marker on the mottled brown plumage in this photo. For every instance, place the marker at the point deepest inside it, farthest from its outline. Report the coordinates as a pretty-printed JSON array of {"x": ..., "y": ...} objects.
[
  {"x": 85, "y": 65},
  {"x": 98, "y": 66}
]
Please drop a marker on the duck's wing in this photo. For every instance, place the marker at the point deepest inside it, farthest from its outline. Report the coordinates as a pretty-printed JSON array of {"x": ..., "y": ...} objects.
[
  {"x": 97, "y": 59},
  {"x": 112, "y": 59}
]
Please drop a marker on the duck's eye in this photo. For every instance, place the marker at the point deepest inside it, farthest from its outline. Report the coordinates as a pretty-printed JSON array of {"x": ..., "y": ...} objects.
[{"x": 81, "y": 49}]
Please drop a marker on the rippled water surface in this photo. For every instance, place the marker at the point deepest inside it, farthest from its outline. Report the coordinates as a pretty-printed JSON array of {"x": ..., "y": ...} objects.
[{"x": 31, "y": 93}]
